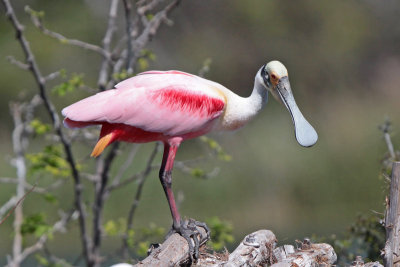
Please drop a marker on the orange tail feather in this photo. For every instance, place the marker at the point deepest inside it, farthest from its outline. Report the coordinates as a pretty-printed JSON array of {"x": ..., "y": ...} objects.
[{"x": 102, "y": 144}]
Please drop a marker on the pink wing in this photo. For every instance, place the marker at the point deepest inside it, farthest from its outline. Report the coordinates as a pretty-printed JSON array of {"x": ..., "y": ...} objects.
[{"x": 171, "y": 102}]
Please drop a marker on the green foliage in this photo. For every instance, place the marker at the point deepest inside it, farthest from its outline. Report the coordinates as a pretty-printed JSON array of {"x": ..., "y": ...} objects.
[
  {"x": 42, "y": 260},
  {"x": 152, "y": 231},
  {"x": 149, "y": 16},
  {"x": 40, "y": 127},
  {"x": 39, "y": 14},
  {"x": 197, "y": 172},
  {"x": 35, "y": 224},
  {"x": 75, "y": 81},
  {"x": 221, "y": 233},
  {"x": 212, "y": 144},
  {"x": 130, "y": 240},
  {"x": 143, "y": 62},
  {"x": 138, "y": 240},
  {"x": 50, "y": 160},
  {"x": 142, "y": 248},
  {"x": 365, "y": 237},
  {"x": 115, "y": 227},
  {"x": 120, "y": 75},
  {"x": 50, "y": 198}
]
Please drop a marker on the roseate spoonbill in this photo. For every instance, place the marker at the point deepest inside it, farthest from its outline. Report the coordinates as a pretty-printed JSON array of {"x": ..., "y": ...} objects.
[{"x": 171, "y": 106}]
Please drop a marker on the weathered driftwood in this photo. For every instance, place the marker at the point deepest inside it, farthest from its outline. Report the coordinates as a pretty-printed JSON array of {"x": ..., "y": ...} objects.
[
  {"x": 360, "y": 263},
  {"x": 173, "y": 252},
  {"x": 307, "y": 254},
  {"x": 392, "y": 220},
  {"x": 256, "y": 249}
]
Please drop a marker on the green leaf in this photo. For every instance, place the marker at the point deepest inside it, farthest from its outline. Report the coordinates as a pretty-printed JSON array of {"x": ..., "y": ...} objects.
[
  {"x": 42, "y": 260},
  {"x": 221, "y": 233},
  {"x": 50, "y": 160},
  {"x": 149, "y": 16},
  {"x": 197, "y": 172},
  {"x": 143, "y": 64},
  {"x": 35, "y": 224},
  {"x": 110, "y": 228},
  {"x": 30, "y": 11},
  {"x": 213, "y": 145},
  {"x": 130, "y": 240},
  {"x": 50, "y": 198},
  {"x": 142, "y": 248},
  {"x": 74, "y": 82},
  {"x": 114, "y": 228},
  {"x": 40, "y": 127},
  {"x": 120, "y": 75}
]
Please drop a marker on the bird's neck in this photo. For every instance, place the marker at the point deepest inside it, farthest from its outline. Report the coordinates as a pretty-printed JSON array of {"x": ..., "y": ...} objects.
[
  {"x": 240, "y": 110},
  {"x": 258, "y": 98}
]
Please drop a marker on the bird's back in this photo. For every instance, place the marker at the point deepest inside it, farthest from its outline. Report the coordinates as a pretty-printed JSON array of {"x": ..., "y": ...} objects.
[{"x": 171, "y": 102}]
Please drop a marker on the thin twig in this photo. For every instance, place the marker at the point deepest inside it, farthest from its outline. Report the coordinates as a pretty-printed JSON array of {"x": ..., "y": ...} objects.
[
  {"x": 28, "y": 186},
  {"x": 17, "y": 63},
  {"x": 136, "y": 200},
  {"x": 8, "y": 205},
  {"x": 16, "y": 205},
  {"x": 385, "y": 128},
  {"x": 111, "y": 27},
  {"x": 38, "y": 23},
  {"x": 52, "y": 76},
  {"x": 100, "y": 193},
  {"x": 149, "y": 30},
  {"x": 125, "y": 165},
  {"x": 128, "y": 29}
]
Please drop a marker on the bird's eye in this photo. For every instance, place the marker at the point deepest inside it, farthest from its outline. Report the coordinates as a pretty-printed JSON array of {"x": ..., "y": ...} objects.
[{"x": 273, "y": 76}]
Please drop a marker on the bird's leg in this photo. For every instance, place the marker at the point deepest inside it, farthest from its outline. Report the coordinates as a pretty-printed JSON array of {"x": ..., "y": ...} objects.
[
  {"x": 166, "y": 181},
  {"x": 188, "y": 229}
]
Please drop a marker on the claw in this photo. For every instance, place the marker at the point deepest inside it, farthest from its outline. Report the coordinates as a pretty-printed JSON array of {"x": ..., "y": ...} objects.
[{"x": 189, "y": 229}]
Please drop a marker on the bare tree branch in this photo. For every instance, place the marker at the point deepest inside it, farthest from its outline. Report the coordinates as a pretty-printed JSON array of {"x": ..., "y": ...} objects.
[
  {"x": 38, "y": 23},
  {"x": 146, "y": 6},
  {"x": 138, "y": 44},
  {"x": 104, "y": 69},
  {"x": 8, "y": 205},
  {"x": 17, "y": 63},
  {"x": 125, "y": 165},
  {"x": 100, "y": 193},
  {"x": 56, "y": 124},
  {"x": 28, "y": 186},
  {"x": 136, "y": 200},
  {"x": 52, "y": 76},
  {"x": 128, "y": 29},
  {"x": 19, "y": 163}
]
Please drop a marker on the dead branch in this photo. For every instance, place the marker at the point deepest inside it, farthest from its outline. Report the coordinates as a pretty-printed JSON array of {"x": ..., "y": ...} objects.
[
  {"x": 172, "y": 252},
  {"x": 256, "y": 249},
  {"x": 108, "y": 37},
  {"x": 392, "y": 219},
  {"x": 36, "y": 20}
]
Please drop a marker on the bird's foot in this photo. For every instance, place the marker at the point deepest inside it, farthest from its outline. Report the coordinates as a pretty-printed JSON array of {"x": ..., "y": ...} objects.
[{"x": 190, "y": 230}]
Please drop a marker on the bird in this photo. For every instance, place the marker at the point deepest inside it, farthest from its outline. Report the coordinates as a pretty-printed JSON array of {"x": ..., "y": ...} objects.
[{"x": 173, "y": 106}]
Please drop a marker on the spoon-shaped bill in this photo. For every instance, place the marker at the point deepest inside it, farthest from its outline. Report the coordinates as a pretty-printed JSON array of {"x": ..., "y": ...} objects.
[{"x": 305, "y": 133}]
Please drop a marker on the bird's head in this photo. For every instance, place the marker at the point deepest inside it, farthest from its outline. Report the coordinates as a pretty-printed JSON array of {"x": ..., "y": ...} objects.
[{"x": 275, "y": 79}]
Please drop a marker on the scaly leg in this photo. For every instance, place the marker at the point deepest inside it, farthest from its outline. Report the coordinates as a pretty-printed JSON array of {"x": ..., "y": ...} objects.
[{"x": 187, "y": 229}]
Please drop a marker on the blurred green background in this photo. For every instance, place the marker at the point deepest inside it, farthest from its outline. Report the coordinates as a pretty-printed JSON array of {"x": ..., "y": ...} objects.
[{"x": 343, "y": 59}]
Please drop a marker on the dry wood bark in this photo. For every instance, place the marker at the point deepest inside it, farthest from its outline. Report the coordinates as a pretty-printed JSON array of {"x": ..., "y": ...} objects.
[
  {"x": 256, "y": 249},
  {"x": 392, "y": 220}
]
